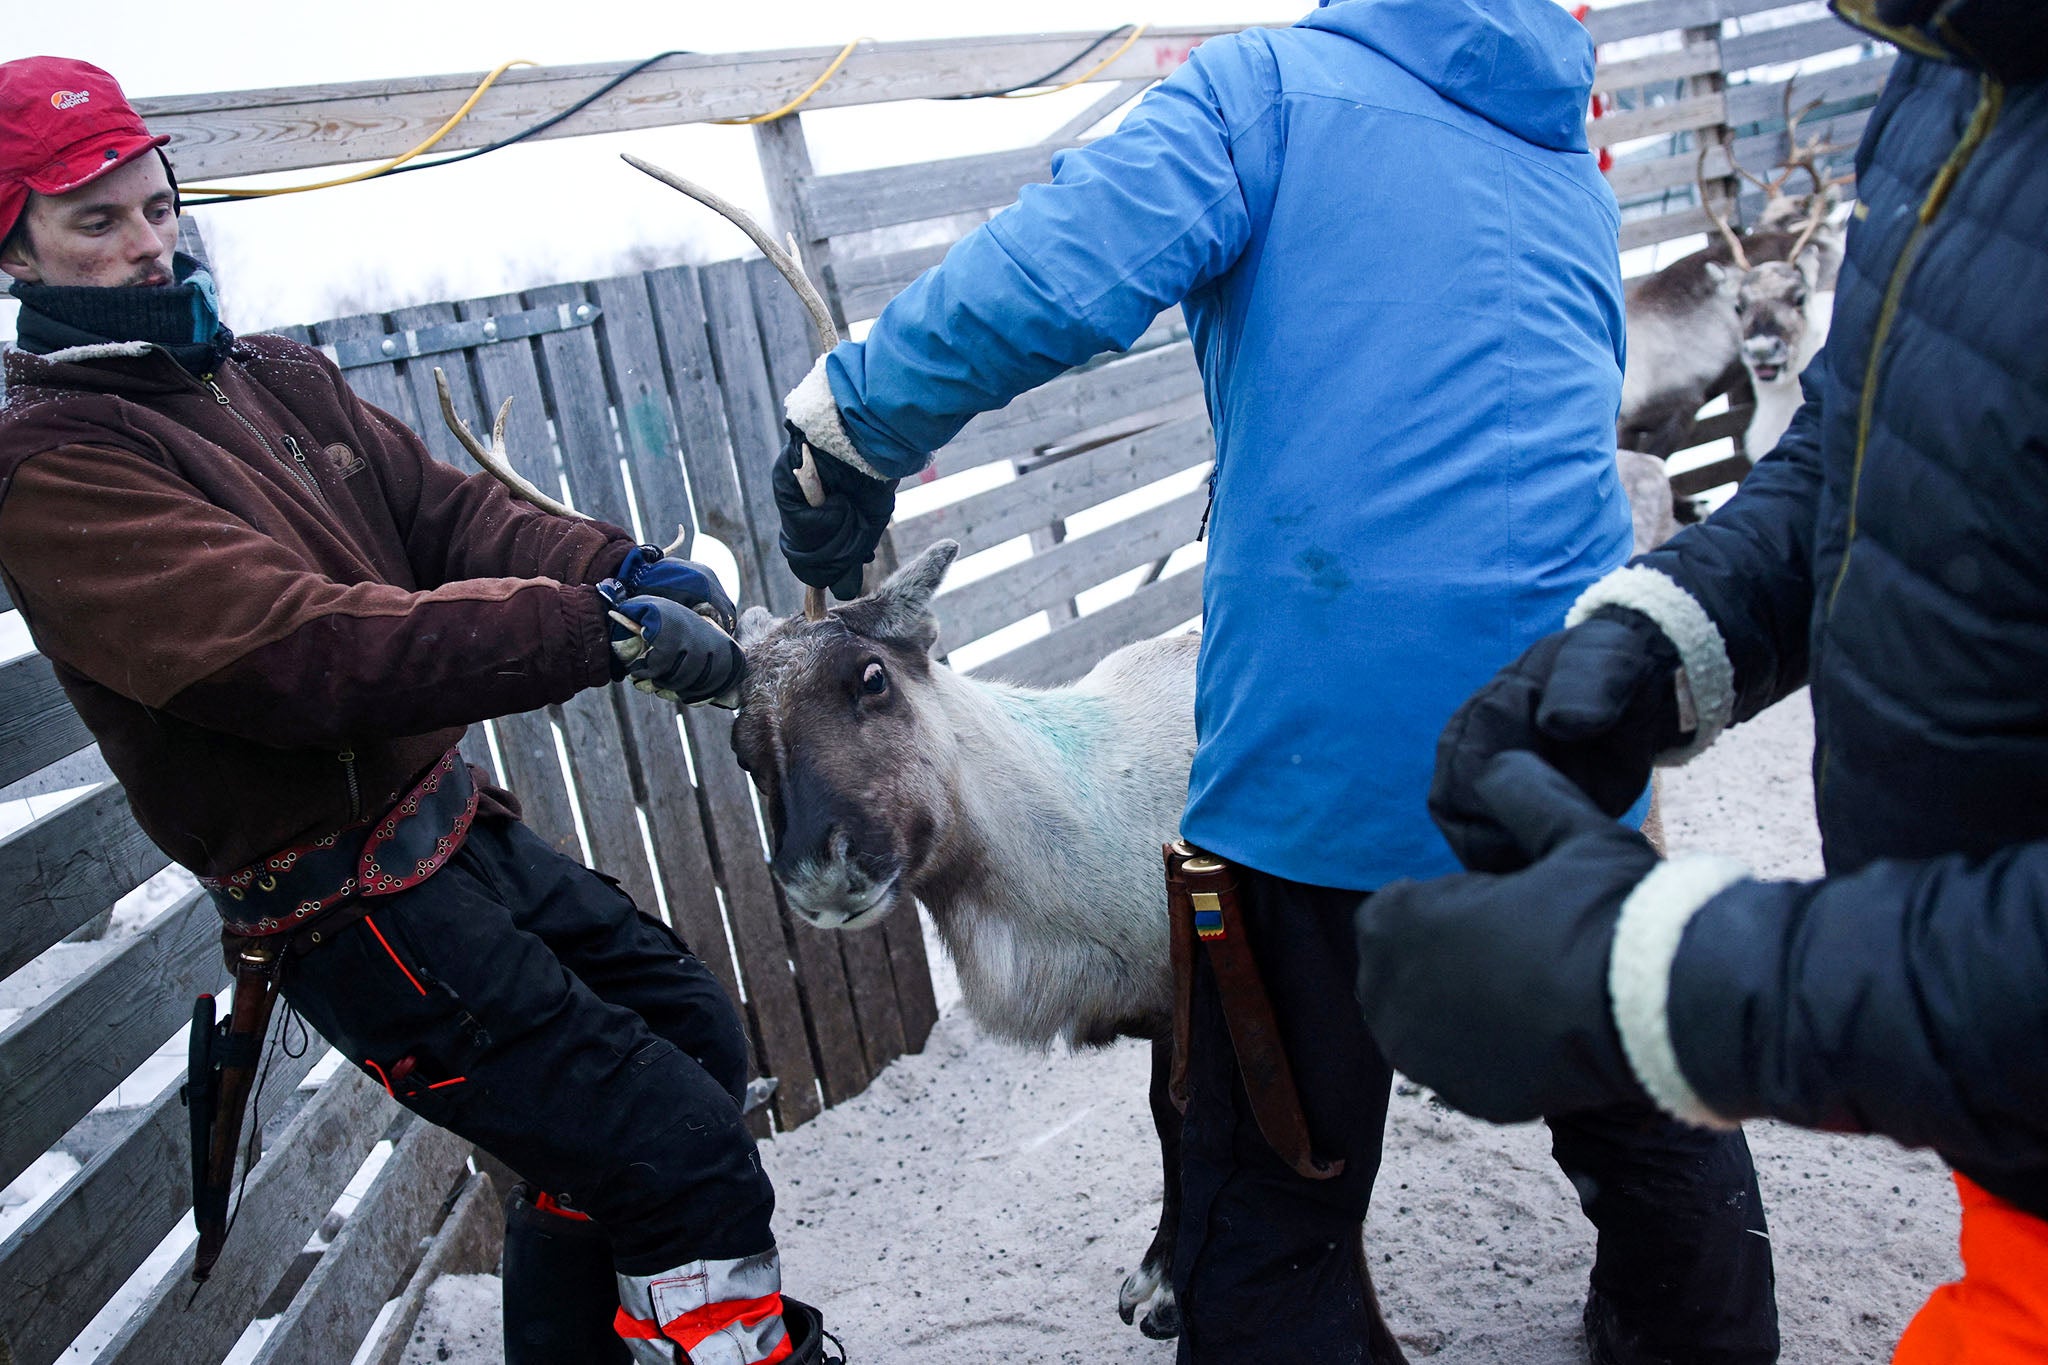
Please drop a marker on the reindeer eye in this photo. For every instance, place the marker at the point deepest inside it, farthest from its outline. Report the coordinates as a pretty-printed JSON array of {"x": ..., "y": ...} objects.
[
  {"x": 1740, "y": 306},
  {"x": 874, "y": 679}
]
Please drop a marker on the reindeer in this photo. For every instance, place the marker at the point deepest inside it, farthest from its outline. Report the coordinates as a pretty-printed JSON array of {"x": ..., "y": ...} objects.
[{"x": 1691, "y": 325}]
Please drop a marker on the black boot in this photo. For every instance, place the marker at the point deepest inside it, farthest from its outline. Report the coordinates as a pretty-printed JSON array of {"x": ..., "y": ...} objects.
[
  {"x": 560, "y": 1294},
  {"x": 806, "y": 1328}
]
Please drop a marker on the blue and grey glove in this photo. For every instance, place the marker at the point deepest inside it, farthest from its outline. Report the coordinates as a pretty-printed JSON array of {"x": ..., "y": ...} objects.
[
  {"x": 672, "y": 651},
  {"x": 648, "y": 572}
]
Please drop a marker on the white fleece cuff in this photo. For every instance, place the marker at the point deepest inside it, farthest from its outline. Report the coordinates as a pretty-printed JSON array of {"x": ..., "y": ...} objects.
[
  {"x": 99, "y": 350},
  {"x": 1646, "y": 938},
  {"x": 1709, "y": 676},
  {"x": 815, "y": 412}
]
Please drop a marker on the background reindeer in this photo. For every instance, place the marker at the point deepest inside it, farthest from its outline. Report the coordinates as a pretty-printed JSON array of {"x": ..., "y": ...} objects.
[{"x": 1748, "y": 307}]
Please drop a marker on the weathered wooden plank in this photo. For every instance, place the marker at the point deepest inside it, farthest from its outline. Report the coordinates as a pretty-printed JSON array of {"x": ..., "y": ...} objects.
[
  {"x": 1771, "y": 46},
  {"x": 1080, "y": 399},
  {"x": 754, "y": 422},
  {"x": 1694, "y": 59},
  {"x": 1071, "y": 131},
  {"x": 865, "y": 284},
  {"x": 781, "y": 1043},
  {"x": 637, "y": 387},
  {"x": 785, "y": 156},
  {"x": 1011, "y": 594},
  {"x": 860, "y": 201},
  {"x": 255, "y": 131},
  {"x": 376, "y": 385},
  {"x": 1764, "y": 101},
  {"x": 469, "y": 1242},
  {"x": 676, "y": 824},
  {"x": 1612, "y": 24},
  {"x": 288, "y": 1193},
  {"x": 916, "y": 1002},
  {"x": 68, "y": 866},
  {"x": 37, "y": 724},
  {"x": 6, "y": 602},
  {"x": 699, "y": 406},
  {"x": 1072, "y": 650},
  {"x": 872, "y": 978},
  {"x": 533, "y": 770},
  {"x": 1731, "y": 469},
  {"x": 1673, "y": 116},
  {"x": 62, "y": 1265},
  {"x": 1061, "y": 488},
  {"x": 333, "y": 1311},
  {"x": 62, "y": 1057},
  {"x": 417, "y": 377},
  {"x": 1663, "y": 227},
  {"x": 580, "y": 402}
]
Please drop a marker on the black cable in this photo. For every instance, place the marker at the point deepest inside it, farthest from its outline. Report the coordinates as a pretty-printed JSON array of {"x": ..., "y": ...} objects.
[
  {"x": 530, "y": 131},
  {"x": 1062, "y": 69},
  {"x": 615, "y": 82}
]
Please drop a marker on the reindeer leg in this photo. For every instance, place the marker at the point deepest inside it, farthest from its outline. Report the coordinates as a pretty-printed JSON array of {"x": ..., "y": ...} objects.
[{"x": 1148, "y": 1284}]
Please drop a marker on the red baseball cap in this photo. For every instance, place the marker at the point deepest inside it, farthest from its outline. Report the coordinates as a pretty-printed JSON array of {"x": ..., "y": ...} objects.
[{"x": 63, "y": 123}]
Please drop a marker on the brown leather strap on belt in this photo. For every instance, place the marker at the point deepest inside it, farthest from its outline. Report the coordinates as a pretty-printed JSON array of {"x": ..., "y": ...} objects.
[{"x": 1201, "y": 897}]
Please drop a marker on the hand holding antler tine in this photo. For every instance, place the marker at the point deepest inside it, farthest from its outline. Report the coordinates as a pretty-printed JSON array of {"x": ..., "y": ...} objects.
[{"x": 786, "y": 263}]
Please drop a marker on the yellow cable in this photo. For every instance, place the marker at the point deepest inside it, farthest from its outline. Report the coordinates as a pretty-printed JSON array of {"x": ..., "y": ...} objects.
[
  {"x": 390, "y": 165},
  {"x": 1085, "y": 76},
  {"x": 809, "y": 90}
]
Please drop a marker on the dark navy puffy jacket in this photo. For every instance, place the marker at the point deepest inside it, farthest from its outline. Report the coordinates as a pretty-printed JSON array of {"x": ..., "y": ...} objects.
[{"x": 1893, "y": 552}]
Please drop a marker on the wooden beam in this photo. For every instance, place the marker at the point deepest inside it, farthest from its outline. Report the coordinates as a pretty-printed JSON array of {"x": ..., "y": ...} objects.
[
  {"x": 78, "y": 1249},
  {"x": 68, "y": 866},
  {"x": 252, "y": 132},
  {"x": 37, "y": 724}
]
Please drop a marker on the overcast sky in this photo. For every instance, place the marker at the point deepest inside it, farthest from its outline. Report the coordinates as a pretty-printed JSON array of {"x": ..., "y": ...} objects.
[{"x": 559, "y": 210}]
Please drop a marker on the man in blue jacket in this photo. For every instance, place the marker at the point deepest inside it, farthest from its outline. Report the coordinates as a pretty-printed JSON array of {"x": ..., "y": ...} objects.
[
  {"x": 1890, "y": 554},
  {"x": 1398, "y": 264}
]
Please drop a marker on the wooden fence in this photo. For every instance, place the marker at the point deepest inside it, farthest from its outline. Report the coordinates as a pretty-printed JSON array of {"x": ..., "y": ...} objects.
[{"x": 651, "y": 399}]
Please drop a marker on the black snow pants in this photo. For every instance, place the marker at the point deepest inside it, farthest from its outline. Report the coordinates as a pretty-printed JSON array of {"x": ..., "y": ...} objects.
[
  {"x": 521, "y": 1001},
  {"x": 1267, "y": 1267}
]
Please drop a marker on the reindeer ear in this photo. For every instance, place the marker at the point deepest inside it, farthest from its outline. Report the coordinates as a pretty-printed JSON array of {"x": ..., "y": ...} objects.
[
  {"x": 1808, "y": 265},
  {"x": 755, "y": 623},
  {"x": 1716, "y": 272},
  {"x": 901, "y": 608}
]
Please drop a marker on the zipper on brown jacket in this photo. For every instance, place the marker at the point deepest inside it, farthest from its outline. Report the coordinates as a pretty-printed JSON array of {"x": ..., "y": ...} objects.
[{"x": 301, "y": 471}]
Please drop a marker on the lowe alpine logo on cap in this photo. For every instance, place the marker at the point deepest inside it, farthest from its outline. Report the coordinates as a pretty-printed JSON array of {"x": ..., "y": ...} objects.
[{"x": 69, "y": 99}]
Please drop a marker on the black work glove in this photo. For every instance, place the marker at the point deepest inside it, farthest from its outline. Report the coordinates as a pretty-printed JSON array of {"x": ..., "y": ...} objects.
[
  {"x": 676, "y": 653},
  {"x": 1598, "y": 702},
  {"x": 1492, "y": 990},
  {"x": 647, "y": 572},
  {"x": 828, "y": 546}
]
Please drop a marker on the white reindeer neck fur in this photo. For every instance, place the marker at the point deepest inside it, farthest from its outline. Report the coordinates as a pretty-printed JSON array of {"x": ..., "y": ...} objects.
[{"x": 1062, "y": 798}]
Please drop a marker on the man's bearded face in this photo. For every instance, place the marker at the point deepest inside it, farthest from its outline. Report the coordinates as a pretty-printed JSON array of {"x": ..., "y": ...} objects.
[{"x": 119, "y": 230}]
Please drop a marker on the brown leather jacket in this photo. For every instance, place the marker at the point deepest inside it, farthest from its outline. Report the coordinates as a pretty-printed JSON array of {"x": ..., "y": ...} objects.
[{"x": 269, "y": 603}]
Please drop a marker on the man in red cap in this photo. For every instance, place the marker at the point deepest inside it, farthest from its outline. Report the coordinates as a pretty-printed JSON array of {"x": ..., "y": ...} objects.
[{"x": 277, "y": 613}]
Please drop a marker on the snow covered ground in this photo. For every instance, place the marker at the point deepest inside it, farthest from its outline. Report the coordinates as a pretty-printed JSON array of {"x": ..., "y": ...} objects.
[{"x": 981, "y": 1203}]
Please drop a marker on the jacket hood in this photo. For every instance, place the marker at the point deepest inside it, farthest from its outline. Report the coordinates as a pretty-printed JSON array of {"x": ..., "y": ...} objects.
[
  {"x": 1525, "y": 65},
  {"x": 2007, "y": 38}
]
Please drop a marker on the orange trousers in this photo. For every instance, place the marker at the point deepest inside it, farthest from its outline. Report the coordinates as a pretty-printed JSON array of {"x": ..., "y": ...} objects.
[{"x": 1997, "y": 1314}]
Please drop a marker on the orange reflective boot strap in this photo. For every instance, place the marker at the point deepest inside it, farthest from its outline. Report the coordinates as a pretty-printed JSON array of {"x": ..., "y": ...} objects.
[{"x": 1997, "y": 1314}]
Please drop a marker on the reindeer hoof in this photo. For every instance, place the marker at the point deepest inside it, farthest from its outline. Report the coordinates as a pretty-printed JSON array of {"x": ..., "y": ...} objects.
[
  {"x": 1146, "y": 1288},
  {"x": 1163, "y": 1322}
]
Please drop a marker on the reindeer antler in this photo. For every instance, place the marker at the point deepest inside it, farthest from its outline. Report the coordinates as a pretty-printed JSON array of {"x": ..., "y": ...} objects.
[
  {"x": 494, "y": 459},
  {"x": 1699, "y": 176},
  {"x": 499, "y": 466},
  {"x": 787, "y": 264}
]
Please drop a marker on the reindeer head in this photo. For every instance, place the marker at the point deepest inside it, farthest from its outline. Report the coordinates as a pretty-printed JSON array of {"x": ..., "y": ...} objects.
[
  {"x": 1772, "y": 301},
  {"x": 839, "y": 726}
]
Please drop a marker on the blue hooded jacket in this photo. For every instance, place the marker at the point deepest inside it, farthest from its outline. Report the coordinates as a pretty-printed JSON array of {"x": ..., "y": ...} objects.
[{"x": 1399, "y": 267}]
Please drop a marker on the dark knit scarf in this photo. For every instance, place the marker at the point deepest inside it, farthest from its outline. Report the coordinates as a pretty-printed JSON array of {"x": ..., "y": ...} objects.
[{"x": 182, "y": 318}]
